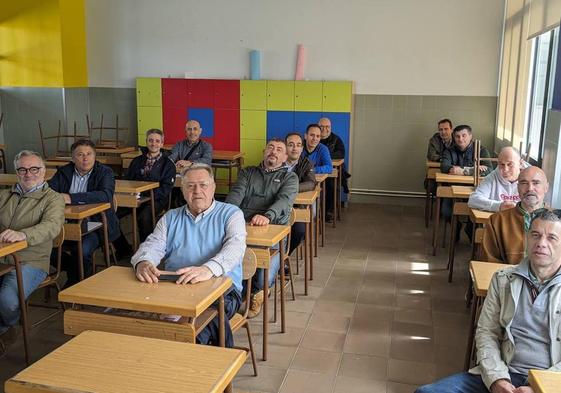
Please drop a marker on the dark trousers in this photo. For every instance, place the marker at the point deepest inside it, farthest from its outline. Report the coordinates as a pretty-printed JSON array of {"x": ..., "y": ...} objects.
[
  {"x": 329, "y": 202},
  {"x": 144, "y": 222},
  {"x": 297, "y": 234},
  {"x": 70, "y": 260},
  {"x": 210, "y": 334}
]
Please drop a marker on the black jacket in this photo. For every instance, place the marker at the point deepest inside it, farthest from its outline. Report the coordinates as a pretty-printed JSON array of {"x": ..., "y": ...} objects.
[
  {"x": 455, "y": 157},
  {"x": 101, "y": 187},
  {"x": 163, "y": 172},
  {"x": 335, "y": 146},
  {"x": 304, "y": 169}
]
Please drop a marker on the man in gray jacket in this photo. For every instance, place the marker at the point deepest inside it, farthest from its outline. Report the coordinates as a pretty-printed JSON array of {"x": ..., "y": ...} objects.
[
  {"x": 499, "y": 190},
  {"x": 519, "y": 328},
  {"x": 265, "y": 194}
]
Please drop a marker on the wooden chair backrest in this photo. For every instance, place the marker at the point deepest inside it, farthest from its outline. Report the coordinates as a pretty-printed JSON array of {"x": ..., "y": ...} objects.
[{"x": 249, "y": 264}]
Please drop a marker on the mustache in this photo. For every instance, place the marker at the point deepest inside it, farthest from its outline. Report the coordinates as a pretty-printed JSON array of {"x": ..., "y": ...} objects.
[{"x": 530, "y": 194}]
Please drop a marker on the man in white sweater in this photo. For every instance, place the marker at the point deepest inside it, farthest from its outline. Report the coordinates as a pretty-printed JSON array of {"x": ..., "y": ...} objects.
[{"x": 499, "y": 190}]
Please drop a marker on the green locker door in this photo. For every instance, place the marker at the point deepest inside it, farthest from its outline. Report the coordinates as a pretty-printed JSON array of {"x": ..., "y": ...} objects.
[
  {"x": 337, "y": 96},
  {"x": 253, "y": 95},
  {"x": 253, "y": 149},
  {"x": 148, "y": 92},
  {"x": 148, "y": 117},
  {"x": 308, "y": 96},
  {"x": 280, "y": 95},
  {"x": 253, "y": 124}
]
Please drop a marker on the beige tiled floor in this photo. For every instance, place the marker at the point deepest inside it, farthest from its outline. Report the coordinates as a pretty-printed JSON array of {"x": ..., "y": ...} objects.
[{"x": 380, "y": 315}]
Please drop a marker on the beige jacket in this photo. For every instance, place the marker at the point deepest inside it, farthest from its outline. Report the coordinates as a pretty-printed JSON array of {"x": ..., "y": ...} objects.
[{"x": 40, "y": 215}]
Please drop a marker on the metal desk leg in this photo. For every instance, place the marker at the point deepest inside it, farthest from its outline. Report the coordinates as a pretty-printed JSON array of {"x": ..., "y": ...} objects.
[{"x": 23, "y": 308}]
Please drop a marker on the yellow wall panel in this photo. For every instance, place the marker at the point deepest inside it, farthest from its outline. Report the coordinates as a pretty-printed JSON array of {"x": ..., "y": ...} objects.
[{"x": 73, "y": 37}]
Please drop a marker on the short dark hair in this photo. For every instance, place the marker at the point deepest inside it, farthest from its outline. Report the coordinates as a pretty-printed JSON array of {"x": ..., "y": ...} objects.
[
  {"x": 154, "y": 131},
  {"x": 279, "y": 140},
  {"x": 312, "y": 126},
  {"x": 546, "y": 214},
  {"x": 293, "y": 134},
  {"x": 82, "y": 142},
  {"x": 446, "y": 121},
  {"x": 462, "y": 127}
]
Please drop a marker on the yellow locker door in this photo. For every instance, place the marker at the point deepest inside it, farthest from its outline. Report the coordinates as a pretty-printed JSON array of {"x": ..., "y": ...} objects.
[
  {"x": 308, "y": 96},
  {"x": 148, "y": 92},
  {"x": 337, "y": 96},
  {"x": 148, "y": 117},
  {"x": 253, "y": 124},
  {"x": 253, "y": 149},
  {"x": 253, "y": 95},
  {"x": 280, "y": 95}
]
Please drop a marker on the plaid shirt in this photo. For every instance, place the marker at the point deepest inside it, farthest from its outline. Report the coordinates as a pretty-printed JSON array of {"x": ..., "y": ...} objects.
[{"x": 150, "y": 161}]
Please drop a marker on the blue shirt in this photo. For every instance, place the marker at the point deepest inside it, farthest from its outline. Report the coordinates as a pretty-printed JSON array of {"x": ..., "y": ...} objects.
[{"x": 320, "y": 157}]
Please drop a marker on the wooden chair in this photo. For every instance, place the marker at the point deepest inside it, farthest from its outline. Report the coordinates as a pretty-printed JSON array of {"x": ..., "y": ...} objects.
[
  {"x": 460, "y": 209},
  {"x": 59, "y": 153},
  {"x": 2, "y": 152},
  {"x": 285, "y": 264},
  {"x": 441, "y": 192},
  {"x": 52, "y": 279},
  {"x": 429, "y": 196},
  {"x": 107, "y": 142},
  {"x": 240, "y": 320}
]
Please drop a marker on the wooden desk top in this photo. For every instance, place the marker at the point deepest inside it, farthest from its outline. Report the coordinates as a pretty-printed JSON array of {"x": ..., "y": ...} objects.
[
  {"x": 113, "y": 363},
  {"x": 543, "y": 381},
  {"x": 114, "y": 149},
  {"x": 480, "y": 216},
  {"x": 321, "y": 177},
  {"x": 334, "y": 173},
  {"x": 462, "y": 191},
  {"x": 118, "y": 287},
  {"x": 432, "y": 164},
  {"x": 338, "y": 162},
  {"x": 78, "y": 212},
  {"x": 134, "y": 186},
  {"x": 226, "y": 155},
  {"x": 302, "y": 215},
  {"x": 265, "y": 236},
  {"x": 454, "y": 179},
  {"x": 481, "y": 274},
  {"x": 307, "y": 198},
  {"x": 10, "y": 248}
]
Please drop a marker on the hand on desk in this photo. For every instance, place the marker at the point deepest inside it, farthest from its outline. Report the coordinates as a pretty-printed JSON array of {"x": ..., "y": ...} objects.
[
  {"x": 194, "y": 274},
  {"x": 146, "y": 272},
  {"x": 503, "y": 386},
  {"x": 181, "y": 164},
  {"x": 259, "y": 220},
  {"x": 11, "y": 236},
  {"x": 456, "y": 170}
]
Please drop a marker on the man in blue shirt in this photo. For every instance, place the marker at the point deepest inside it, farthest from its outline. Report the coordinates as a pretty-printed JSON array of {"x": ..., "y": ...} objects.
[
  {"x": 316, "y": 151},
  {"x": 198, "y": 241}
]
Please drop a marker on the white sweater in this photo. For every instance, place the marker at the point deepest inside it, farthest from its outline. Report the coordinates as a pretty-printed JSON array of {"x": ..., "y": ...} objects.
[{"x": 493, "y": 191}]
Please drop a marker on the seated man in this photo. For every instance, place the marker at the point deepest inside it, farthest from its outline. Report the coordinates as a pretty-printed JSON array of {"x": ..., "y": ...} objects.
[
  {"x": 192, "y": 149},
  {"x": 503, "y": 239},
  {"x": 28, "y": 211},
  {"x": 459, "y": 158},
  {"x": 265, "y": 193},
  {"x": 499, "y": 190},
  {"x": 440, "y": 141},
  {"x": 204, "y": 239},
  {"x": 84, "y": 181},
  {"x": 518, "y": 326},
  {"x": 304, "y": 168},
  {"x": 315, "y": 151},
  {"x": 337, "y": 151},
  {"x": 154, "y": 166}
]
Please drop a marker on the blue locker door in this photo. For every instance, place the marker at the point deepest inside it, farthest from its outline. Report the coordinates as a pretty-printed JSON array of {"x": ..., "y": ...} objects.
[
  {"x": 341, "y": 125},
  {"x": 303, "y": 119},
  {"x": 279, "y": 123}
]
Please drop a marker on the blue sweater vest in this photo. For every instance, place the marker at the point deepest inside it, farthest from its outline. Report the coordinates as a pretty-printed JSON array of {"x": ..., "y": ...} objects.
[{"x": 191, "y": 243}]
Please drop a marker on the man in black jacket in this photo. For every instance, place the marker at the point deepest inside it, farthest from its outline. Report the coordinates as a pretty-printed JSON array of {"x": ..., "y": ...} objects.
[
  {"x": 153, "y": 165},
  {"x": 84, "y": 181},
  {"x": 458, "y": 159},
  {"x": 304, "y": 168}
]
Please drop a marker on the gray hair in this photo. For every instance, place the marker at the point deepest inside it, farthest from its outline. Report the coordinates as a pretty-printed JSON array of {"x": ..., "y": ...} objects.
[
  {"x": 27, "y": 153},
  {"x": 553, "y": 215},
  {"x": 198, "y": 166}
]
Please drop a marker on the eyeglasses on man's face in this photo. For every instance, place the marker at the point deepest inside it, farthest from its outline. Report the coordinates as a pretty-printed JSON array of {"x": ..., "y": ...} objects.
[{"x": 33, "y": 170}]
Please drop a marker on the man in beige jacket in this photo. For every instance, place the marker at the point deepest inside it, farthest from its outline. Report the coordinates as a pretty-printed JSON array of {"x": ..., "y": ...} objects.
[{"x": 29, "y": 211}]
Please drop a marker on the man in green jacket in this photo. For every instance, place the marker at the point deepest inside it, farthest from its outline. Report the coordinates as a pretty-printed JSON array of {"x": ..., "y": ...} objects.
[
  {"x": 265, "y": 194},
  {"x": 29, "y": 211}
]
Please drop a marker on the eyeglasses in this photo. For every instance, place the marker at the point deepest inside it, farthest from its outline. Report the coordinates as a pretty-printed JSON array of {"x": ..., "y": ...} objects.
[
  {"x": 191, "y": 185},
  {"x": 33, "y": 170}
]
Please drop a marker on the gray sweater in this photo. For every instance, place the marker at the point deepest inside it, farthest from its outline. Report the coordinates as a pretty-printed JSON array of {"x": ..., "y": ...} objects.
[{"x": 202, "y": 153}]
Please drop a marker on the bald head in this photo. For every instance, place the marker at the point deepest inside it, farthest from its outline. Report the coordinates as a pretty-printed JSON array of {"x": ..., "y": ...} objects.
[
  {"x": 193, "y": 131},
  {"x": 509, "y": 164},
  {"x": 532, "y": 187}
]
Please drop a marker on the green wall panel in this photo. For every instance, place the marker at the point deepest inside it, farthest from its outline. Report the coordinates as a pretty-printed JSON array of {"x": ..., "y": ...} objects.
[
  {"x": 253, "y": 124},
  {"x": 253, "y": 95},
  {"x": 148, "y": 92},
  {"x": 337, "y": 96},
  {"x": 253, "y": 149},
  {"x": 280, "y": 95},
  {"x": 148, "y": 117},
  {"x": 308, "y": 96}
]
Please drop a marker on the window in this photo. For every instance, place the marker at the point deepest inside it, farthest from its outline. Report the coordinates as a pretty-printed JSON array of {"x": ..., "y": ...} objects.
[{"x": 540, "y": 91}]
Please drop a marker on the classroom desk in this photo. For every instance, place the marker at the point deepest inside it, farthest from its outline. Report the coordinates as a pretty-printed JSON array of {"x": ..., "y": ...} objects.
[
  {"x": 432, "y": 164},
  {"x": 481, "y": 274},
  {"x": 305, "y": 215},
  {"x": 117, "y": 287},
  {"x": 454, "y": 179},
  {"x": 114, "y": 150},
  {"x": 107, "y": 363},
  {"x": 228, "y": 160},
  {"x": 337, "y": 174},
  {"x": 320, "y": 179},
  {"x": 7, "y": 249},
  {"x": 430, "y": 179},
  {"x": 74, "y": 231},
  {"x": 56, "y": 162},
  {"x": 262, "y": 239},
  {"x": 460, "y": 209},
  {"x": 543, "y": 381},
  {"x": 125, "y": 194}
]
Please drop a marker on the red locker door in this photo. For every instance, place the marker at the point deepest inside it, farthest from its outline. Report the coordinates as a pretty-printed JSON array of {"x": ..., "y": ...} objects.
[
  {"x": 227, "y": 94},
  {"x": 227, "y": 129},
  {"x": 174, "y": 120},
  {"x": 174, "y": 93},
  {"x": 200, "y": 93}
]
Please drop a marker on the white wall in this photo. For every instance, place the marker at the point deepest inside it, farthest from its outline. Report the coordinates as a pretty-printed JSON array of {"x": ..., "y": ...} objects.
[{"x": 400, "y": 47}]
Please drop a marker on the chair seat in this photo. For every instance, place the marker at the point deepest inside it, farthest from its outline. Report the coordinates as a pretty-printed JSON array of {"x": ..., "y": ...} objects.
[
  {"x": 237, "y": 322},
  {"x": 49, "y": 280}
]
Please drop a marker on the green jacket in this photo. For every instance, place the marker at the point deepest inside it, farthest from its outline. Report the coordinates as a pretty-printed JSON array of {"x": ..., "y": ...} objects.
[
  {"x": 269, "y": 193},
  {"x": 40, "y": 215}
]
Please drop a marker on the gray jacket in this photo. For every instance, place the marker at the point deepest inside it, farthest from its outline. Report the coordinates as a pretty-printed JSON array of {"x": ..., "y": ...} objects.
[
  {"x": 494, "y": 340},
  {"x": 269, "y": 193},
  {"x": 202, "y": 153}
]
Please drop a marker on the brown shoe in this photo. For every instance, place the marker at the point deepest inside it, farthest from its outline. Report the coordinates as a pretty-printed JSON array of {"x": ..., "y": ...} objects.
[{"x": 255, "y": 304}]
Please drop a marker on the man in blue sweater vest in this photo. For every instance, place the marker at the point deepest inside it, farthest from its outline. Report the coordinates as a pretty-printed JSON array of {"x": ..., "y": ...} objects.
[
  {"x": 265, "y": 193},
  {"x": 204, "y": 239}
]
